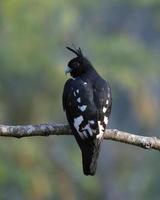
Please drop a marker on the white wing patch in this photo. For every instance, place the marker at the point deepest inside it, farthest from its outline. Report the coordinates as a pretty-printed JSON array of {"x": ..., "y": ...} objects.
[
  {"x": 91, "y": 121},
  {"x": 105, "y": 120},
  {"x": 88, "y": 128},
  {"x": 104, "y": 109},
  {"x": 85, "y": 134},
  {"x": 101, "y": 131},
  {"x": 82, "y": 108},
  {"x": 79, "y": 100},
  {"x": 101, "y": 128},
  {"x": 77, "y": 122},
  {"x": 107, "y": 101},
  {"x": 77, "y": 91}
]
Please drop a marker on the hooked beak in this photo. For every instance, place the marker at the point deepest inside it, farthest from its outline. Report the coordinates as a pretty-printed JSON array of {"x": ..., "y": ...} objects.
[{"x": 67, "y": 70}]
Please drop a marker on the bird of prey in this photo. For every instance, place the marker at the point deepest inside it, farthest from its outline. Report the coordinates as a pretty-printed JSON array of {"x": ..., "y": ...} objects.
[{"x": 87, "y": 102}]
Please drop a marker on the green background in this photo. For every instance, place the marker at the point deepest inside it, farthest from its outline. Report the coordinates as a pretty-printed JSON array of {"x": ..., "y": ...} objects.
[{"x": 122, "y": 40}]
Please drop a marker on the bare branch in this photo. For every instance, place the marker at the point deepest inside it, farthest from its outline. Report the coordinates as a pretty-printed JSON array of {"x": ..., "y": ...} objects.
[
  {"x": 62, "y": 129},
  {"x": 137, "y": 140}
]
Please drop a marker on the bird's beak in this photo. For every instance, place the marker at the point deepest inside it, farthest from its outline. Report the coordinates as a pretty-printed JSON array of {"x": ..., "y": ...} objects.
[{"x": 67, "y": 70}]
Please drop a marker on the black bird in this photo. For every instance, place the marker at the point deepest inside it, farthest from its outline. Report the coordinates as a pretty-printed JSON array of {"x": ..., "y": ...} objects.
[{"x": 87, "y": 101}]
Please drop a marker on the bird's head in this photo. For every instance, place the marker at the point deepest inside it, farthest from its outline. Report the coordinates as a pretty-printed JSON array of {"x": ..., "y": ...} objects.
[{"x": 78, "y": 65}]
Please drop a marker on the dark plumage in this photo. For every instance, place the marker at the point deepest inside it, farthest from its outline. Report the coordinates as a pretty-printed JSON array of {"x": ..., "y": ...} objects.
[{"x": 87, "y": 102}]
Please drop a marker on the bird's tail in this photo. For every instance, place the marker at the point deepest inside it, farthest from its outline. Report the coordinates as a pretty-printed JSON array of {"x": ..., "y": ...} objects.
[{"x": 90, "y": 155}]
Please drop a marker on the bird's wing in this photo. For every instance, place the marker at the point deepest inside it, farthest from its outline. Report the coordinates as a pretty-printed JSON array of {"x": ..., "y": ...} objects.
[
  {"x": 103, "y": 102},
  {"x": 82, "y": 114}
]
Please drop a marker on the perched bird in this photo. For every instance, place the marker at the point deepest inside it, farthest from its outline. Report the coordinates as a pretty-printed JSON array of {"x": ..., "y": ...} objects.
[{"x": 87, "y": 101}]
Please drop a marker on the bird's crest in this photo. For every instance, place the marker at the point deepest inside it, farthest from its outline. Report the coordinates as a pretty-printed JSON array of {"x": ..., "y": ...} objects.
[{"x": 78, "y": 51}]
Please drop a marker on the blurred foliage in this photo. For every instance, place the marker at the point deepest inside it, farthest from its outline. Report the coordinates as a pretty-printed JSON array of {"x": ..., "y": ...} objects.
[{"x": 121, "y": 38}]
